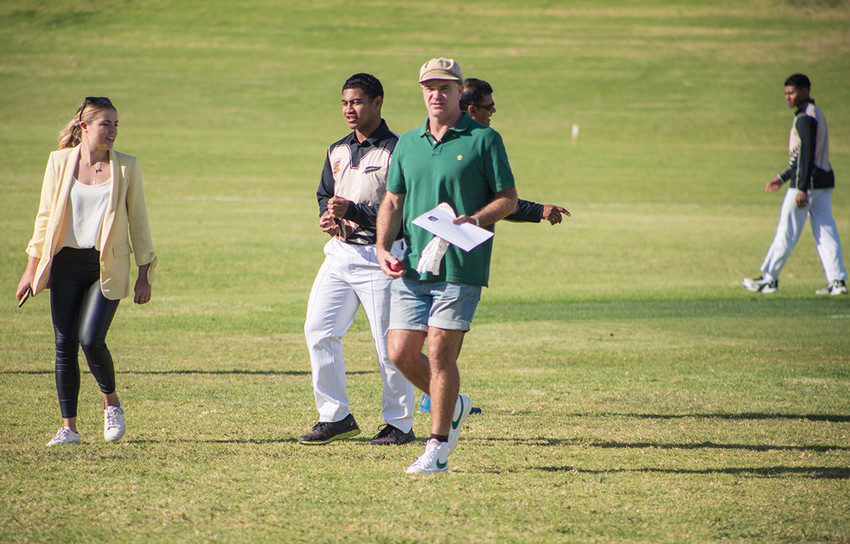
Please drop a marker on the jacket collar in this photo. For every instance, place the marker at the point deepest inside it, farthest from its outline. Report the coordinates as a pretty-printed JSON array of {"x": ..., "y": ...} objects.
[{"x": 802, "y": 107}]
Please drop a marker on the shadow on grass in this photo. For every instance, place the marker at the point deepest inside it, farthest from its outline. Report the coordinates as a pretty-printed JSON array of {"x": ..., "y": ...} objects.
[
  {"x": 832, "y": 418},
  {"x": 712, "y": 445},
  {"x": 740, "y": 306},
  {"x": 256, "y": 441},
  {"x": 193, "y": 371},
  {"x": 542, "y": 441},
  {"x": 818, "y": 473},
  {"x": 363, "y": 440}
]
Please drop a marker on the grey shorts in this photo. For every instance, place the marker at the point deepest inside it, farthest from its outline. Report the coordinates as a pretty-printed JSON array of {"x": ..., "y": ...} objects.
[{"x": 417, "y": 305}]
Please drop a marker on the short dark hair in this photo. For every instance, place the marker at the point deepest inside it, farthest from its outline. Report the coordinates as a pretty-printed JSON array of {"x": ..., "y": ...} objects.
[
  {"x": 473, "y": 91},
  {"x": 799, "y": 81},
  {"x": 367, "y": 83}
]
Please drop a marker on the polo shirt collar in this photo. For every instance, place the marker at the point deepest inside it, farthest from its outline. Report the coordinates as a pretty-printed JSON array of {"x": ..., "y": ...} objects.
[
  {"x": 380, "y": 133},
  {"x": 464, "y": 125}
]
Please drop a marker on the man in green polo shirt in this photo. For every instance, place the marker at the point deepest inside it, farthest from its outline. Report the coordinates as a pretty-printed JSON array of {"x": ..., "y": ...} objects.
[{"x": 450, "y": 159}]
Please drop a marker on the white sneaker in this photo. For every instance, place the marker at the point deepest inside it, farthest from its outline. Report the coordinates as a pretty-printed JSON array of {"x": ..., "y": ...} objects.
[
  {"x": 760, "y": 285},
  {"x": 462, "y": 408},
  {"x": 65, "y": 436},
  {"x": 113, "y": 423},
  {"x": 837, "y": 287},
  {"x": 435, "y": 459}
]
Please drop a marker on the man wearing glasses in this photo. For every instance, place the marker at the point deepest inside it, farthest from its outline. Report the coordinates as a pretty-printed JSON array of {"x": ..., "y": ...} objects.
[{"x": 477, "y": 100}]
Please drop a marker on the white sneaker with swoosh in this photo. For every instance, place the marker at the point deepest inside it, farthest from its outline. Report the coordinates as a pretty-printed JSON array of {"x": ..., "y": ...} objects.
[
  {"x": 435, "y": 459},
  {"x": 462, "y": 408}
]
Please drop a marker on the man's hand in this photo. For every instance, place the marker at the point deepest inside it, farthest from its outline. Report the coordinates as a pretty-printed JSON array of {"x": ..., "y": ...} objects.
[
  {"x": 327, "y": 222},
  {"x": 502, "y": 205},
  {"x": 553, "y": 213},
  {"x": 392, "y": 267},
  {"x": 465, "y": 219},
  {"x": 802, "y": 200},
  {"x": 338, "y": 206},
  {"x": 773, "y": 185},
  {"x": 389, "y": 224}
]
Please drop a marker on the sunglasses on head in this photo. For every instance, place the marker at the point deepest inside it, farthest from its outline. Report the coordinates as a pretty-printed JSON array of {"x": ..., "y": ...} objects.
[{"x": 94, "y": 100}]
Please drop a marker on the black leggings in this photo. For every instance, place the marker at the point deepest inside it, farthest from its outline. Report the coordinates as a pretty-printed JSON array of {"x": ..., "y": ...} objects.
[{"x": 81, "y": 316}]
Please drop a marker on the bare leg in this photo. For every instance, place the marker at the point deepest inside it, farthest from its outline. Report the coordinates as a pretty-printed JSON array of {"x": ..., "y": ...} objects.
[
  {"x": 405, "y": 351},
  {"x": 110, "y": 399},
  {"x": 443, "y": 351},
  {"x": 437, "y": 374}
]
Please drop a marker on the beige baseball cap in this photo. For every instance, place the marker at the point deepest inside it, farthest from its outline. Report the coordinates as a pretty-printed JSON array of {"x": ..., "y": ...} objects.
[{"x": 445, "y": 69}]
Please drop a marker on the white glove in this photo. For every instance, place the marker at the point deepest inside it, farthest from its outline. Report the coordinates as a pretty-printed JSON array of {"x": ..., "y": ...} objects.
[{"x": 434, "y": 252}]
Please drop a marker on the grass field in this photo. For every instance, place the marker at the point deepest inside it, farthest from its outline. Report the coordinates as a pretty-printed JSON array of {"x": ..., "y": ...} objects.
[{"x": 631, "y": 390}]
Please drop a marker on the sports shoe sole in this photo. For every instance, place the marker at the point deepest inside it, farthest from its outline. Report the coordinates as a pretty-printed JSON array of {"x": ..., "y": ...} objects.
[
  {"x": 67, "y": 441},
  {"x": 403, "y": 441},
  {"x": 340, "y": 436},
  {"x": 832, "y": 291},
  {"x": 438, "y": 470},
  {"x": 754, "y": 287},
  {"x": 113, "y": 438}
]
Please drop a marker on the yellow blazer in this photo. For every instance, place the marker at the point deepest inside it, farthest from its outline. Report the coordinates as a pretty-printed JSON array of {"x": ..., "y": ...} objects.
[{"x": 126, "y": 219}]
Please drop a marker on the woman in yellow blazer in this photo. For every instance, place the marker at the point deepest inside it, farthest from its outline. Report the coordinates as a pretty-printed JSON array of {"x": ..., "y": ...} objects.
[{"x": 92, "y": 206}]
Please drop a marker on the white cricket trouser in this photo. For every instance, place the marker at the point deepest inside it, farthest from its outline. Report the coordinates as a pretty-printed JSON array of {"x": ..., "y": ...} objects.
[
  {"x": 349, "y": 278},
  {"x": 792, "y": 220}
]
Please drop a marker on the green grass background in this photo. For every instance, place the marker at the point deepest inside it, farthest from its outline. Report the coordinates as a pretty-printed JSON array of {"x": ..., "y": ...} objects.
[{"x": 632, "y": 391}]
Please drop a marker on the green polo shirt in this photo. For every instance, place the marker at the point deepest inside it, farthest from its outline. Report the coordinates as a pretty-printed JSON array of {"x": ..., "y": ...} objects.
[{"x": 466, "y": 169}]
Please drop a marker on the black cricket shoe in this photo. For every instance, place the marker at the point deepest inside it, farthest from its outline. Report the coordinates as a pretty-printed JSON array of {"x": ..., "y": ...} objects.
[
  {"x": 328, "y": 431},
  {"x": 392, "y": 436}
]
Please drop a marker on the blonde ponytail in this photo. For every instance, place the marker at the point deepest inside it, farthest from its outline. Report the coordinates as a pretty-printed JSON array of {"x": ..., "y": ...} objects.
[{"x": 71, "y": 135}]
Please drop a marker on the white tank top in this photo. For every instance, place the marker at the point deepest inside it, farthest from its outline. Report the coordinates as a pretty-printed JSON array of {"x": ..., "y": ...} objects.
[{"x": 88, "y": 206}]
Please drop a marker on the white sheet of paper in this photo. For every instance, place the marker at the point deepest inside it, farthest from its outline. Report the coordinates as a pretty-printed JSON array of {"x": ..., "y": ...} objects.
[{"x": 465, "y": 235}]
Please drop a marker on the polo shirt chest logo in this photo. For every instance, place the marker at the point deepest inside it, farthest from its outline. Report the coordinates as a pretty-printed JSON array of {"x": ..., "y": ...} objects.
[
  {"x": 460, "y": 157},
  {"x": 336, "y": 167}
]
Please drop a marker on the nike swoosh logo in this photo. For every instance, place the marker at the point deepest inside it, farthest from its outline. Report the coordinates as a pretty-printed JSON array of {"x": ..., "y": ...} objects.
[
  {"x": 456, "y": 422},
  {"x": 441, "y": 465}
]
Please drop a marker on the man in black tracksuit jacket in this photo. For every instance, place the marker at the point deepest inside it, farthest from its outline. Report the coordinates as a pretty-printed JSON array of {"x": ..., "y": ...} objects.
[{"x": 809, "y": 195}]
